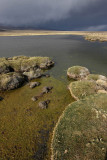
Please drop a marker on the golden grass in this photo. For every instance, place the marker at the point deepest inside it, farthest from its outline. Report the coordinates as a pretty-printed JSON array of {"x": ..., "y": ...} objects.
[{"x": 89, "y": 35}]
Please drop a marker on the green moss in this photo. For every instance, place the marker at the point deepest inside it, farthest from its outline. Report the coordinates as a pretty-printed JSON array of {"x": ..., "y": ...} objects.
[
  {"x": 11, "y": 80},
  {"x": 33, "y": 61},
  {"x": 81, "y": 89},
  {"x": 77, "y": 72},
  {"x": 19, "y": 58},
  {"x": 25, "y": 129},
  {"x": 81, "y": 131},
  {"x": 3, "y": 59},
  {"x": 22, "y": 61},
  {"x": 75, "y": 69},
  {"x": 3, "y": 65},
  {"x": 94, "y": 77}
]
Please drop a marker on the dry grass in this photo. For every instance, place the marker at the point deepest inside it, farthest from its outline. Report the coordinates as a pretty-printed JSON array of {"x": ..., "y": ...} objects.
[{"x": 91, "y": 36}]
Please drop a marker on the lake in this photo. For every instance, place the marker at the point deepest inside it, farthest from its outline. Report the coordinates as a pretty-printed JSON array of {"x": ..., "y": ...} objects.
[{"x": 65, "y": 50}]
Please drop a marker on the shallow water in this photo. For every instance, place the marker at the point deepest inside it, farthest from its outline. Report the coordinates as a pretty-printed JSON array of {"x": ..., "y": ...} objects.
[
  {"x": 66, "y": 51},
  {"x": 27, "y": 128}
]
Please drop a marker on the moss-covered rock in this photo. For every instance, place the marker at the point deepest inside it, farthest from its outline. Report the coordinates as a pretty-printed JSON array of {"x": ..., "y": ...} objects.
[
  {"x": 81, "y": 130},
  {"x": 77, "y": 72},
  {"x": 11, "y": 81},
  {"x": 81, "y": 89},
  {"x": 96, "y": 77},
  {"x": 4, "y": 66},
  {"x": 30, "y": 67},
  {"x": 102, "y": 83},
  {"x": 23, "y": 63},
  {"x": 99, "y": 79},
  {"x": 33, "y": 74},
  {"x": 42, "y": 62}
]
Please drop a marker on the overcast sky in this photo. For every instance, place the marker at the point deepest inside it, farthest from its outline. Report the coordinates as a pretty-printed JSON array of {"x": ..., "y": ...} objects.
[{"x": 55, "y": 14}]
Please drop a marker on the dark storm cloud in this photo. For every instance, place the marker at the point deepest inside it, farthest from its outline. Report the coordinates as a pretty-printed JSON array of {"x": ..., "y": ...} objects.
[{"x": 55, "y": 14}]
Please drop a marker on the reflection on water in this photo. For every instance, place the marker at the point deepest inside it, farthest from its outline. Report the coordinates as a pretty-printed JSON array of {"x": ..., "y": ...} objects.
[{"x": 66, "y": 50}]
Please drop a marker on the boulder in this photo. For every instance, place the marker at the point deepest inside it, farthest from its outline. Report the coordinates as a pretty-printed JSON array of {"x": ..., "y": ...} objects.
[
  {"x": 44, "y": 104},
  {"x": 34, "y": 84},
  {"x": 46, "y": 89},
  {"x": 4, "y": 66},
  {"x": 33, "y": 74},
  {"x": 47, "y": 64},
  {"x": 11, "y": 81},
  {"x": 77, "y": 72},
  {"x": 102, "y": 83},
  {"x": 21, "y": 68},
  {"x": 34, "y": 98}
]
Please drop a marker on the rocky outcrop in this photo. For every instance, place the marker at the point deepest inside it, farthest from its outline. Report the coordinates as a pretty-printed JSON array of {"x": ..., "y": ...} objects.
[
  {"x": 44, "y": 104},
  {"x": 34, "y": 84},
  {"x": 34, "y": 98},
  {"x": 11, "y": 81},
  {"x": 33, "y": 73},
  {"x": 27, "y": 67},
  {"x": 77, "y": 72},
  {"x": 102, "y": 83},
  {"x": 23, "y": 63},
  {"x": 46, "y": 89},
  {"x": 4, "y": 66}
]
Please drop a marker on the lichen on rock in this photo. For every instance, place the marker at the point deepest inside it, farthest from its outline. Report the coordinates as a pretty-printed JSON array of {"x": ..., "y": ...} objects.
[
  {"x": 11, "y": 81},
  {"x": 28, "y": 68}
]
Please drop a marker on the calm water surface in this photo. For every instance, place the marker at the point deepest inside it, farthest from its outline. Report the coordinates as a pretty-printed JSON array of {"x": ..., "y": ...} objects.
[{"x": 66, "y": 51}]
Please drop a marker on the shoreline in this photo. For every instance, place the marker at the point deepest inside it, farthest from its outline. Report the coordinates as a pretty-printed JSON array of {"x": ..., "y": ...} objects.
[{"x": 88, "y": 35}]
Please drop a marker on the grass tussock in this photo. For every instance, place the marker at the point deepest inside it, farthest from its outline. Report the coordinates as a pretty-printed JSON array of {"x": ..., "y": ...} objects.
[
  {"x": 77, "y": 72},
  {"x": 81, "y": 130},
  {"x": 81, "y": 89},
  {"x": 94, "y": 77}
]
